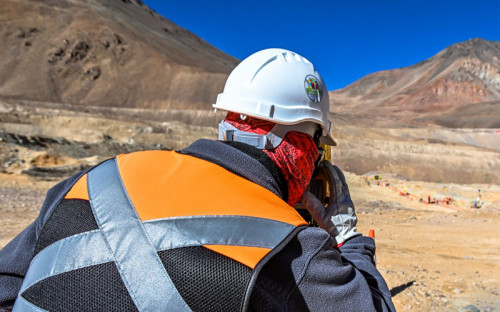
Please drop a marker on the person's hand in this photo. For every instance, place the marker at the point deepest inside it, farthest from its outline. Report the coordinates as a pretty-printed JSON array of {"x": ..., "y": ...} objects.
[{"x": 338, "y": 218}]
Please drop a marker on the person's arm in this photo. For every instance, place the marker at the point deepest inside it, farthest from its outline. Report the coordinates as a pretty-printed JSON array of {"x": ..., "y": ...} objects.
[
  {"x": 311, "y": 274},
  {"x": 14, "y": 262},
  {"x": 16, "y": 256},
  {"x": 360, "y": 252},
  {"x": 339, "y": 220},
  {"x": 344, "y": 279}
]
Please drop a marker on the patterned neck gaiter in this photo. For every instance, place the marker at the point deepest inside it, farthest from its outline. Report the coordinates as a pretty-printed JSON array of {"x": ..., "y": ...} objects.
[{"x": 295, "y": 156}]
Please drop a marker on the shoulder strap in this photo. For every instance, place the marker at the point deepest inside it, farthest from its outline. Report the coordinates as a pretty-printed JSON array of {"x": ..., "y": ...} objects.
[
  {"x": 135, "y": 256},
  {"x": 255, "y": 273}
]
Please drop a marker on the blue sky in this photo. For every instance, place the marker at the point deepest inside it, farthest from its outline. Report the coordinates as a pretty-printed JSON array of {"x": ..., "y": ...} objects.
[{"x": 345, "y": 40}]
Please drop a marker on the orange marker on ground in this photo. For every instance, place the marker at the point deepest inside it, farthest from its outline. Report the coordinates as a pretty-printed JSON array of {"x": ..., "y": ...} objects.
[{"x": 371, "y": 233}]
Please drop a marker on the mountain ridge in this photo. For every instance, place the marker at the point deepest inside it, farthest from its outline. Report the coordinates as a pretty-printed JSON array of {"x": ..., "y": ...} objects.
[
  {"x": 106, "y": 53},
  {"x": 435, "y": 91}
]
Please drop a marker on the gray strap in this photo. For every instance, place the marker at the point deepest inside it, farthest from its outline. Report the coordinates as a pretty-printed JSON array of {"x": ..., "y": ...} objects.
[
  {"x": 228, "y": 132},
  {"x": 138, "y": 263},
  {"x": 216, "y": 230},
  {"x": 71, "y": 253},
  {"x": 23, "y": 305}
]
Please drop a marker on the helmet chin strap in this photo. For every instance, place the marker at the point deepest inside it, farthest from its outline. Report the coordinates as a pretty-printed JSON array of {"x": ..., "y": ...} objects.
[{"x": 228, "y": 132}]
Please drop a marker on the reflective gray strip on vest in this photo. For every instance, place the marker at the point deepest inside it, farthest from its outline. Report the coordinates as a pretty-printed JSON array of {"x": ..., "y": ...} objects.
[
  {"x": 137, "y": 261},
  {"x": 23, "y": 305},
  {"x": 74, "y": 252},
  {"x": 216, "y": 230}
]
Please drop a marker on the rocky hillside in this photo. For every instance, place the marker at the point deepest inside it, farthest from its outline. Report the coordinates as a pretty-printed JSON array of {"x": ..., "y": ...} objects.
[
  {"x": 107, "y": 53},
  {"x": 459, "y": 87}
]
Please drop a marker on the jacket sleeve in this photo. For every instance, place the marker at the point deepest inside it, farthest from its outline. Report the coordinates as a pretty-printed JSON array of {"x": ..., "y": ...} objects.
[
  {"x": 344, "y": 279},
  {"x": 360, "y": 252},
  {"x": 16, "y": 256},
  {"x": 14, "y": 262}
]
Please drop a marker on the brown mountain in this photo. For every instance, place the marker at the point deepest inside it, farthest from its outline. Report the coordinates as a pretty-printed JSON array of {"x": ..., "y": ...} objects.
[
  {"x": 107, "y": 53},
  {"x": 459, "y": 87}
]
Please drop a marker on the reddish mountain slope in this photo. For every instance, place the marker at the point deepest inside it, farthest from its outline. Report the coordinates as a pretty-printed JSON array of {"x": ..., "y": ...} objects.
[{"x": 458, "y": 87}]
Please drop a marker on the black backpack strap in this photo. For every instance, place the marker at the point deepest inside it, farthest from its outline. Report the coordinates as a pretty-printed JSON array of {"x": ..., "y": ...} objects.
[{"x": 264, "y": 261}]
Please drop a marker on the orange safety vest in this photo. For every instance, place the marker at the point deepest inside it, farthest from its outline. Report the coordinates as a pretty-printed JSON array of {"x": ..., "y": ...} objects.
[{"x": 146, "y": 202}]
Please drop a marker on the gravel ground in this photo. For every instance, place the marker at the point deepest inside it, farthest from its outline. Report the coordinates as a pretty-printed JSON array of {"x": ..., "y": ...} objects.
[{"x": 18, "y": 208}]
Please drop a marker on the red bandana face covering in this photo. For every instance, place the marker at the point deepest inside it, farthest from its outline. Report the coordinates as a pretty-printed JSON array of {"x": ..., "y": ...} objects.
[{"x": 295, "y": 156}]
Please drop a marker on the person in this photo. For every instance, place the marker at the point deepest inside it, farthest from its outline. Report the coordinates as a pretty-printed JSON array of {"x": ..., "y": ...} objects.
[{"x": 211, "y": 227}]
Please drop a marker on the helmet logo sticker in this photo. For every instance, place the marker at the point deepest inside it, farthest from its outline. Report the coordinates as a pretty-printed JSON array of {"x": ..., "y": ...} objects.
[{"x": 313, "y": 88}]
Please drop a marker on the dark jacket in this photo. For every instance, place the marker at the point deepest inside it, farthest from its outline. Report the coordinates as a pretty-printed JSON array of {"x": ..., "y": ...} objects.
[{"x": 307, "y": 274}]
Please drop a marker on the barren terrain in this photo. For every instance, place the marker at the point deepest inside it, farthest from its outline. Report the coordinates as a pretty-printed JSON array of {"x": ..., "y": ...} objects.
[
  {"x": 458, "y": 87},
  {"x": 435, "y": 257},
  {"x": 83, "y": 81},
  {"x": 105, "y": 53}
]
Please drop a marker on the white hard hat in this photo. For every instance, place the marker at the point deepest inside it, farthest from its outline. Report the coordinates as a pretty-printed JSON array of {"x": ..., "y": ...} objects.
[{"x": 279, "y": 86}]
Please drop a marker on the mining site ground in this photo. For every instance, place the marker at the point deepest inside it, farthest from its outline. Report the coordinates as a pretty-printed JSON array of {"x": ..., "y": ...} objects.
[{"x": 435, "y": 257}]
